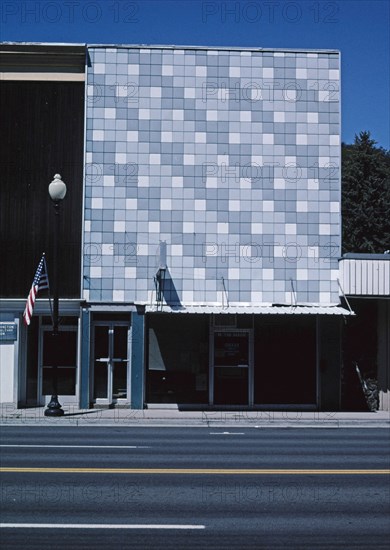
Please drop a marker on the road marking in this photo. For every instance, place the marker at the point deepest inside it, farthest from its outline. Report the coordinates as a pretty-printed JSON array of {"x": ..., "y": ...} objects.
[
  {"x": 96, "y": 526},
  {"x": 78, "y": 446},
  {"x": 227, "y": 433},
  {"x": 196, "y": 471}
]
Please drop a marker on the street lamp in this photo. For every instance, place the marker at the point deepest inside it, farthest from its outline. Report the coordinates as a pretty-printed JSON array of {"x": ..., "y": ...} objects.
[{"x": 57, "y": 192}]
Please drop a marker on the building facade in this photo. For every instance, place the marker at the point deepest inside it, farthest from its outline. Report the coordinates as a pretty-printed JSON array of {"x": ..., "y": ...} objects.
[
  {"x": 210, "y": 233},
  {"x": 365, "y": 279}
]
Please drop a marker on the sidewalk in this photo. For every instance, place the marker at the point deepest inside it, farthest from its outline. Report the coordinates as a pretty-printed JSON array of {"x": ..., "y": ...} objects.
[{"x": 165, "y": 417}]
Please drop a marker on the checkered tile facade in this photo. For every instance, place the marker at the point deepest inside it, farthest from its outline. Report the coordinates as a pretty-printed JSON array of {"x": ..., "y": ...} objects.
[{"x": 230, "y": 157}]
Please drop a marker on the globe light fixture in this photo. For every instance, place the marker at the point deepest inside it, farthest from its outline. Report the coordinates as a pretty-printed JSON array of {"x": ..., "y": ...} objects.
[{"x": 57, "y": 189}]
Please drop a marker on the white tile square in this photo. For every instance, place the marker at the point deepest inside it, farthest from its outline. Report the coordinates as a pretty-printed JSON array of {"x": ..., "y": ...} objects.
[
  {"x": 334, "y": 140},
  {"x": 118, "y": 295},
  {"x": 130, "y": 272},
  {"x": 302, "y": 206},
  {"x": 279, "y": 116},
  {"x": 166, "y": 204},
  {"x": 268, "y": 206},
  {"x": 301, "y": 139},
  {"x": 109, "y": 113},
  {"x": 95, "y": 272},
  {"x": 234, "y": 273},
  {"x": 119, "y": 226},
  {"x": 98, "y": 135},
  {"x": 188, "y": 227},
  {"x": 155, "y": 158},
  {"x": 190, "y": 93},
  {"x": 200, "y": 137},
  {"x": 107, "y": 249},
  {"x": 99, "y": 68},
  {"x": 245, "y": 183},
  {"x": 211, "y": 182},
  {"x": 143, "y": 181},
  {"x": 176, "y": 250},
  {"x": 234, "y": 137},
  {"x": 201, "y": 71},
  {"x": 222, "y": 228},
  {"x": 291, "y": 229},
  {"x": 189, "y": 160},
  {"x": 177, "y": 181},
  {"x": 177, "y": 114},
  {"x": 199, "y": 273},
  {"x": 120, "y": 158},
  {"x": 234, "y": 206},
  {"x": 154, "y": 227},
  {"x": 268, "y": 274},
  {"x": 167, "y": 70},
  {"x": 212, "y": 115},
  {"x": 109, "y": 181},
  {"x": 234, "y": 72},
  {"x": 268, "y": 139},
  {"x": 245, "y": 116},
  {"x": 167, "y": 137},
  {"x": 301, "y": 73},
  {"x": 268, "y": 72},
  {"x": 257, "y": 228},
  {"x": 97, "y": 202},
  {"x": 155, "y": 91},
  {"x": 324, "y": 229},
  {"x": 133, "y": 70},
  {"x": 302, "y": 274},
  {"x": 200, "y": 205},
  {"x": 279, "y": 183},
  {"x": 334, "y": 74},
  {"x": 312, "y": 118}
]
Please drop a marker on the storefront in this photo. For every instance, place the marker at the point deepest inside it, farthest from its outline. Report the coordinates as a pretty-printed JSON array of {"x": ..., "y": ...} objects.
[{"x": 276, "y": 359}]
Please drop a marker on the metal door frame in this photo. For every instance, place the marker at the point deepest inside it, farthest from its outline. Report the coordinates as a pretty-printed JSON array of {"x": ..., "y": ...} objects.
[
  {"x": 109, "y": 400},
  {"x": 212, "y": 366}
]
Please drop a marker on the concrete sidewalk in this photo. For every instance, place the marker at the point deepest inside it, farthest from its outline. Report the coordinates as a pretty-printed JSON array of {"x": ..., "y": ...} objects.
[{"x": 11, "y": 416}]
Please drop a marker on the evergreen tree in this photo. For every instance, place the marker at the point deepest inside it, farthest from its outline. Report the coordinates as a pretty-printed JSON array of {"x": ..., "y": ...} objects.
[{"x": 365, "y": 196}]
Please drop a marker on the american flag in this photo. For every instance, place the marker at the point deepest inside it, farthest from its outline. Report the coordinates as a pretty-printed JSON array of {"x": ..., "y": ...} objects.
[{"x": 40, "y": 282}]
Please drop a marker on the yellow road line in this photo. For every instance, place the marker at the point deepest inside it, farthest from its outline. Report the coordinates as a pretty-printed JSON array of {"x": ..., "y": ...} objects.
[{"x": 197, "y": 471}]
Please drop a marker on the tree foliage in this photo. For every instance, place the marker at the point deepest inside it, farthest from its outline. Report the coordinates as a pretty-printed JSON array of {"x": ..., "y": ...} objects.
[{"x": 365, "y": 196}]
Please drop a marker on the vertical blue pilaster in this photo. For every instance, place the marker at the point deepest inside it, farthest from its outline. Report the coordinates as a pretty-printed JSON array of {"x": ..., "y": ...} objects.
[
  {"x": 137, "y": 360},
  {"x": 85, "y": 357}
]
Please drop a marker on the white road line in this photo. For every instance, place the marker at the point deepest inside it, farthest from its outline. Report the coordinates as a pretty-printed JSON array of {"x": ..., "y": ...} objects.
[
  {"x": 25, "y": 446},
  {"x": 96, "y": 526},
  {"x": 227, "y": 433}
]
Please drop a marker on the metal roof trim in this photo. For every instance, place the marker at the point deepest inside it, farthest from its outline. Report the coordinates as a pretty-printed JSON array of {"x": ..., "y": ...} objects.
[{"x": 252, "y": 310}]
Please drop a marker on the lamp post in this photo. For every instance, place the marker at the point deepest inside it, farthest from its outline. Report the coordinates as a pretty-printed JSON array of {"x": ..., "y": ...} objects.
[{"x": 57, "y": 192}]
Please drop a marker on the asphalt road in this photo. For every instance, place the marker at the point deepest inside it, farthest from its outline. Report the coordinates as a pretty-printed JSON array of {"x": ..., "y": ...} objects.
[{"x": 146, "y": 488}]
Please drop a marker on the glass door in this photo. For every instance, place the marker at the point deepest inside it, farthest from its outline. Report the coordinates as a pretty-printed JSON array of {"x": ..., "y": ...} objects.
[
  {"x": 110, "y": 372},
  {"x": 231, "y": 369}
]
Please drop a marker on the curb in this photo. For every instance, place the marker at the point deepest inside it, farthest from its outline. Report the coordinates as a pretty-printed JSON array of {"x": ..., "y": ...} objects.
[{"x": 205, "y": 419}]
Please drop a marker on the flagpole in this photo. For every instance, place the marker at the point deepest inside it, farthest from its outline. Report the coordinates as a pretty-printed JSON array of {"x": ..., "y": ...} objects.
[{"x": 48, "y": 288}]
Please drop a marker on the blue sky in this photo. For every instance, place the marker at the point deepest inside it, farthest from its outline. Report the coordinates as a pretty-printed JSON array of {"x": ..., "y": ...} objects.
[{"x": 360, "y": 29}]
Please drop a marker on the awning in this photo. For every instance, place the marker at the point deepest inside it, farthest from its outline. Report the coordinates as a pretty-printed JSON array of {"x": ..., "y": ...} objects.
[{"x": 253, "y": 309}]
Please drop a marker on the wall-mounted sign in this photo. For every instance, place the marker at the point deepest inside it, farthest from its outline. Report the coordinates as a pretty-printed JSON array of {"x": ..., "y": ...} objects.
[
  {"x": 231, "y": 348},
  {"x": 8, "y": 331}
]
